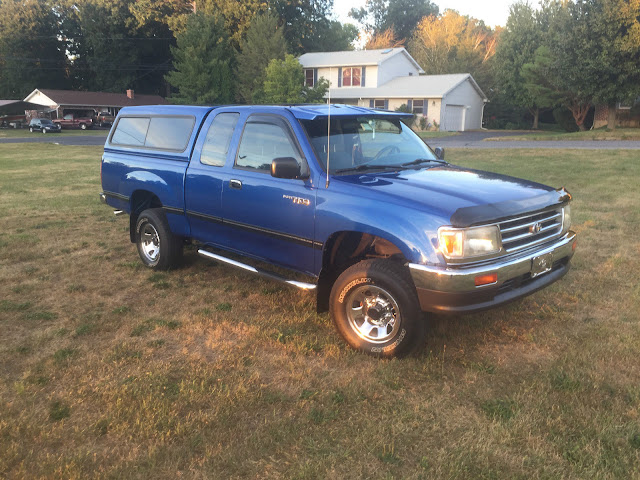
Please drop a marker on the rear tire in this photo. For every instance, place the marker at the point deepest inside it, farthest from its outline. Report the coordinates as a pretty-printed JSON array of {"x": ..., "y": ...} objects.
[
  {"x": 158, "y": 248},
  {"x": 376, "y": 310},
  {"x": 31, "y": 129}
]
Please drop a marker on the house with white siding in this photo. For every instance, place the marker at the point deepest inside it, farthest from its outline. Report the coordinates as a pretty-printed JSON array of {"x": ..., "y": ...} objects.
[{"x": 388, "y": 78}]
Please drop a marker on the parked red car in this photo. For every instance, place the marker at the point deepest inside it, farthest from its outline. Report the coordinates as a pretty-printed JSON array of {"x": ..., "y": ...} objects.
[
  {"x": 104, "y": 118},
  {"x": 71, "y": 120}
]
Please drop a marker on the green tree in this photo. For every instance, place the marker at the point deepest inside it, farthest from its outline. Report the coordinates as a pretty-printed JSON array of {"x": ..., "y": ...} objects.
[
  {"x": 31, "y": 54},
  {"x": 618, "y": 28},
  {"x": 114, "y": 46},
  {"x": 331, "y": 36},
  {"x": 264, "y": 42},
  {"x": 203, "y": 62},
  {"x": 574, "y": 49},
  {"x": 284, "y": 83},
  {"x": 523, "y": 34},
  {"x": 537, "y": 83},
  {"x": 400, "y": 15}
]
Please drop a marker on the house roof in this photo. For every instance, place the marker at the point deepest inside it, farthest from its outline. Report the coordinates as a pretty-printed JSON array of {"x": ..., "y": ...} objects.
[
  {"x": 353, "y": 57},
  {"x": 78, "y": 98},
  {"x": 422, "y": 86}
]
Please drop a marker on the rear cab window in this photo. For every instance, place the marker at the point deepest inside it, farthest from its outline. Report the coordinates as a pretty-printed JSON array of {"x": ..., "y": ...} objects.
[{"x": 161, "y": 132}]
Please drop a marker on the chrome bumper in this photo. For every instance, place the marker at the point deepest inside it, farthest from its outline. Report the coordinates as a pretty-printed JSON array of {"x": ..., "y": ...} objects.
[{"x": 453, "y": 289}]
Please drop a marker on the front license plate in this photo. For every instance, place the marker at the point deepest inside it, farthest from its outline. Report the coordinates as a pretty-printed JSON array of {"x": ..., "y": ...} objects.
[{"x": 541, "y": 264}]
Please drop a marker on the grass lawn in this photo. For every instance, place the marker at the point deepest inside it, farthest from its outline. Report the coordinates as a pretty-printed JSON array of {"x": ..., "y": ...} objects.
[
  {"x": 110, "y": 371},
  {"x": 24, "y": 132},
  {"x": 437, "y": 134},
  {"x": 599, "y": 134}
]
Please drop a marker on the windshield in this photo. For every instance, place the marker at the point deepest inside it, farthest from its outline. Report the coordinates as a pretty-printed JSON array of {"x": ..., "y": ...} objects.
[
  {"x": 45, "y": 121},
  {"x": 365, "y": 142}
]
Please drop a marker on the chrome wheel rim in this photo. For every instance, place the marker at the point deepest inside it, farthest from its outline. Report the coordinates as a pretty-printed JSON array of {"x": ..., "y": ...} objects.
[
  {"x": 150, "y": 242},
  {"x": 373, "y": 313}
]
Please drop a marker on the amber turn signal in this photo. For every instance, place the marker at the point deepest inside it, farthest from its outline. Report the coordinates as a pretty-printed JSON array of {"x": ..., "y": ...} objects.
[
  {"x": 575, "y": 244},
  {"x": 487, "y": 279}
]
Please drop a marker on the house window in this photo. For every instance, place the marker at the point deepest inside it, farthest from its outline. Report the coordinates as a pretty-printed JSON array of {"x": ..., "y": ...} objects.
[
  {"x": 418, "y": 107},
  {"x": 308, "y": 77},
  {"x": 378, "y": 104},
  {"x": 351, "y": 77}
]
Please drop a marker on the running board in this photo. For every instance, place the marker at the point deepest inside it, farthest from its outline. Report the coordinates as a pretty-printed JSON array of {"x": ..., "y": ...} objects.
[{"x": 249, "y": 268}]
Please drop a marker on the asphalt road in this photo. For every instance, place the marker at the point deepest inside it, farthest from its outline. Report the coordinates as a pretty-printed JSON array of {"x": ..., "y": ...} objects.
[{"x": 463, "y": 140}]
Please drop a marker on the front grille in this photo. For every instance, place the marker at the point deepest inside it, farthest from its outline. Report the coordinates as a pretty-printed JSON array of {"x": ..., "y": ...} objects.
[{"x": 522, "y": 232}]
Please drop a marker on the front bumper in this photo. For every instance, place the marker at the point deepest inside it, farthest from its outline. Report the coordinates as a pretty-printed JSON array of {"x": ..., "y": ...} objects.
[{"x": 453, "y": 290}]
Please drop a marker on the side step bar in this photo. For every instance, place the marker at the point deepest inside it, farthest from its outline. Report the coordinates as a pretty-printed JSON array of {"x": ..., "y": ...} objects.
[{"x": 244, "y": 266}]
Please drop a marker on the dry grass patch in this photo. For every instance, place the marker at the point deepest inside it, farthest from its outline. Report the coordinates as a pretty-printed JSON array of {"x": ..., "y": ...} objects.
[{"x": 110, "y": 371}]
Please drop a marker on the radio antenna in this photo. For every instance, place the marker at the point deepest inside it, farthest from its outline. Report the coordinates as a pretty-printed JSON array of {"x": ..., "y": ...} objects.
[{"x": 328, "y": 129}]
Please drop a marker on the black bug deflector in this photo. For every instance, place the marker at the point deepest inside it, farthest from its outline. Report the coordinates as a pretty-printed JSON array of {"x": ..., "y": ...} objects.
[{"x": 495, "y": 212}]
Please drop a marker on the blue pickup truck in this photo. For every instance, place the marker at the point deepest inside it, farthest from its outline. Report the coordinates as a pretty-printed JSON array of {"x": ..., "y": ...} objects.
[{"x": 348, "y": 200}]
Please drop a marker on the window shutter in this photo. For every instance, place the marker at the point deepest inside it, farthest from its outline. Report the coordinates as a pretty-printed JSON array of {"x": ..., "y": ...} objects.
[
  {"x": 363, "y": 76},
  {"x": 386, "y": 104},
  {"x": 371, "y": 103},
  {"x": 425, "y": 106},
  {"x": 410, "y": 105},
  {"x": 315, "y": 77},
  {"x": 339, "y": 77}
]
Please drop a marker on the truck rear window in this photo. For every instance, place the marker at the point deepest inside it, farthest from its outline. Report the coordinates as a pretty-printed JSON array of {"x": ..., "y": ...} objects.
[{"x": 159, "y": 133}]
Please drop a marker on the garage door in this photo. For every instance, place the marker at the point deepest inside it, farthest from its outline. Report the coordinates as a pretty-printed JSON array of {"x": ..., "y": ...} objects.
[{"x": 453, "y": 118}]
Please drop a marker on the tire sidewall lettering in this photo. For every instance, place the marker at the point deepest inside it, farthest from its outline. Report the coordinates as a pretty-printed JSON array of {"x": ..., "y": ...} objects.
[{"x": 350, "y": 285}]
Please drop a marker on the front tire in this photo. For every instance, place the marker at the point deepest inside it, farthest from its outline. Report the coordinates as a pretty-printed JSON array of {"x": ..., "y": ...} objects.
[
  {"x": 158, "y": 248},
  {"x": 44, "y": 131},
  {"x": 376, "y": 310},
  {"x": 83, "y": 126}
]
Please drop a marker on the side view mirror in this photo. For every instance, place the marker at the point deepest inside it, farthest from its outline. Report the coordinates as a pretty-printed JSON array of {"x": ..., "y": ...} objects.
[
  {"x": 439, "y": 151},
  {"x": 285, "y": 167}
]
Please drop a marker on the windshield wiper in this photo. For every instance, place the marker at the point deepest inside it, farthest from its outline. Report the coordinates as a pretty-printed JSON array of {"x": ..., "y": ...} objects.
[
  {"x": 366, "y": 166},
  {"x": 419, "y": 161}
]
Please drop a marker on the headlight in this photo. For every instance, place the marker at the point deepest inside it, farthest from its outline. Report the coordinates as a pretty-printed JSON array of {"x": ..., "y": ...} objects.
[
  {"x": 566, "y": 218},
  {"x": 469, "y": 242}
]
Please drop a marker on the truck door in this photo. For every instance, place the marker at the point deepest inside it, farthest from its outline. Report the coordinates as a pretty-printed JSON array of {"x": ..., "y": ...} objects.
[
  {"x": 206, "y": 175},
  {"x": 269, "y": 218}
]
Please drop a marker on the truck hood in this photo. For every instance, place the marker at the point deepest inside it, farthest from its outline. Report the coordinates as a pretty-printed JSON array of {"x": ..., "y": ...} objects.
[{"x": 464, "y": 196}]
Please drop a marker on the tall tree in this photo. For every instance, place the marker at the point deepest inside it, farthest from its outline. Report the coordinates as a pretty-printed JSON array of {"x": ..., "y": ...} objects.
[
  {"x": 452, "y": 43},
  {"x": 263, "y": 43},
  {"x": 537, "y": 83},
  {"x": 31, "y": 52},
  {"x": 284, "y": 83},
  {"x": 523, "y": 34},
  {"x": 401, "y": 15},
  {"x": 203, "y": 62},
  {"x": 114, "y": 47},
  {"x": 575, "y": 50},
  {"x": 618, "y": 27}
]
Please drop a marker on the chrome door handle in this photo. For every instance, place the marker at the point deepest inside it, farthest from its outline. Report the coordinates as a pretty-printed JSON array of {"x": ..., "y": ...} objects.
[{"x": 237, "y": 184}]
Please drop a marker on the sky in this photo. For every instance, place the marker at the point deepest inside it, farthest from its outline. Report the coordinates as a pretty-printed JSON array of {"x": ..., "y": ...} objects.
[{"x": 493, "y": 13}]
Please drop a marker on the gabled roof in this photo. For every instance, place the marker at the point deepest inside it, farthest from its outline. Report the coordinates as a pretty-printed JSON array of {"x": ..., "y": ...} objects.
[
  {"x": 349, "y": 58},
  {"x": 78, "y": 98},
  {"x": 422, "y": 86}
]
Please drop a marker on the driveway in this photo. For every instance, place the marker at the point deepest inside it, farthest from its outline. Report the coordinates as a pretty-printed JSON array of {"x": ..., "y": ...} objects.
[{"x": 476, "y": 140}]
